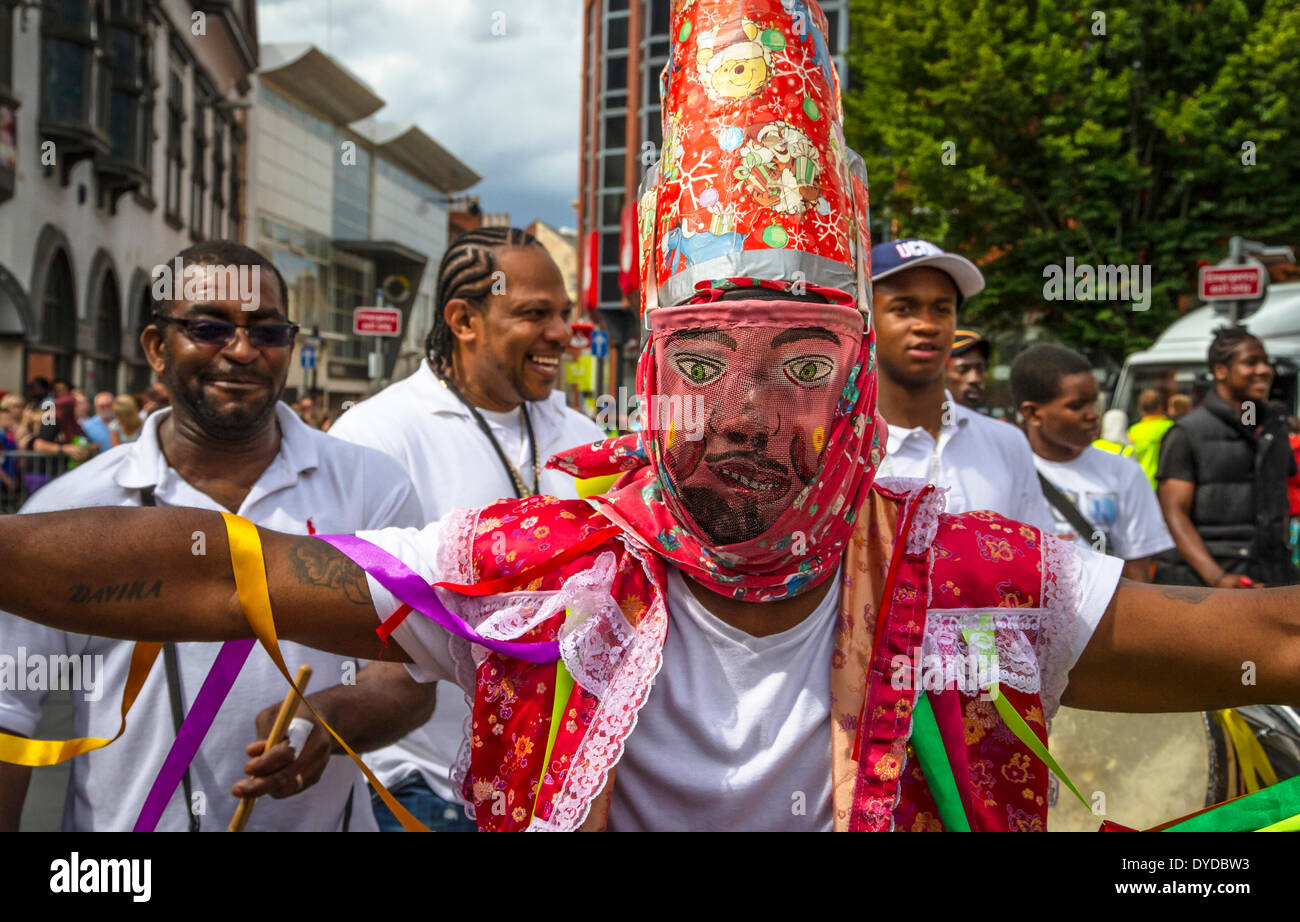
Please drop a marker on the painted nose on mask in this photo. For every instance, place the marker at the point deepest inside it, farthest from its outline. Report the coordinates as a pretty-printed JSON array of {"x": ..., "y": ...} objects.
[{"x": 752, "y": 418}]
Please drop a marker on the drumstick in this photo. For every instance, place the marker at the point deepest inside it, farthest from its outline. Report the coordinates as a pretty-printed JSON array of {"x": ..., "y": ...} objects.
[{"x": 287, "y": 707}]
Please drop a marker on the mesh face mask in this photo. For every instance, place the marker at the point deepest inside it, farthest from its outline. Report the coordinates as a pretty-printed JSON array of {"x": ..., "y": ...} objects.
[
  {"x": 759, "y": 443},
  {"x": 742, "y": 407}
]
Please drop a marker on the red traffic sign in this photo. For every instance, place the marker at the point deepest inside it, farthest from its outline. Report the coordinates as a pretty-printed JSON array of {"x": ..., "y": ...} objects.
[
  {"x": 377, "y": 321},
  {"x": 1232, "y": 283}
]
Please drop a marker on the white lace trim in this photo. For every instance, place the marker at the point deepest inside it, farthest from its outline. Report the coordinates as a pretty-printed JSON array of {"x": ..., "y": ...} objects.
[
  {"x": 925, "y": 523},
  {"x": 616, "y": 715},
  {"x": 947, "y": 659},
  {"x": 1062, "y": 595},
  {"x": 602, "y": 651},
  {"x": 455, "y": 562}
]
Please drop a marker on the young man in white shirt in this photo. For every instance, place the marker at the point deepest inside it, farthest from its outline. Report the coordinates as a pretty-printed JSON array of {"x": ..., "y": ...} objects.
[
  {"x": 1056, "y": 392},
  {"x": 475, "y": 423},
  {"x": 983, "y": 463},
  {"x": 226, "y": 443}
]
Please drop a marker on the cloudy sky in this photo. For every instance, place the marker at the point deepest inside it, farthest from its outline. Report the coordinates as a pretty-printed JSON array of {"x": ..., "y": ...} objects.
[{"x": 506, "y": 104}]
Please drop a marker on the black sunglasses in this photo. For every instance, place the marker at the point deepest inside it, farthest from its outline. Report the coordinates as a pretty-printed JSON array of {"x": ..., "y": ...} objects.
[{"x": 207, "y": 332}]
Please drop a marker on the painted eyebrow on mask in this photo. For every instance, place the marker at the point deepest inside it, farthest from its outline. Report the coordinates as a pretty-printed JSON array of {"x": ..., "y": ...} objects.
[
  {"x": 712, "y": 336},
  {"x": 801, "y": 333}
]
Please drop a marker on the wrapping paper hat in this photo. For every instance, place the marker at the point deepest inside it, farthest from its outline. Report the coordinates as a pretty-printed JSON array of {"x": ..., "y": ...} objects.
[
  {"x": 755, "y": 179},
  {"x": 761, "y": 440}
]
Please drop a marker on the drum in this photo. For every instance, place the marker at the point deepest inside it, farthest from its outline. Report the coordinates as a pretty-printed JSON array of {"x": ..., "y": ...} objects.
[{"x": 1147, "y": 769}]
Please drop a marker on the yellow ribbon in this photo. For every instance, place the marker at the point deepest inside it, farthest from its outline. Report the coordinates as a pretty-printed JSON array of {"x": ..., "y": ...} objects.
[
  {"x": 255, "y": 599},
  {"x": 1251, "y": 757},
  {"x": 22, "y": 751}
]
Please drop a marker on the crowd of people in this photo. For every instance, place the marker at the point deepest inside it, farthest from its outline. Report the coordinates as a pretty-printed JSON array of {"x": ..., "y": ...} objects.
[
  {"x": 60, "y": 421},
  {"x": 710, "y": 640}
]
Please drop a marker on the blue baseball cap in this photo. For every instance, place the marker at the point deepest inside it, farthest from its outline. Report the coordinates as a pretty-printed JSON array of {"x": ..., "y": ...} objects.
[{"x": 899, "y": 255}]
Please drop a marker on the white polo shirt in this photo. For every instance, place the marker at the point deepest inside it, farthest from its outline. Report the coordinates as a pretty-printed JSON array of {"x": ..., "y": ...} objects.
[
  {"x": 314, "y": 483},
  {"x": 434, "y": 437},
  {"x": 984, "y": 463}
]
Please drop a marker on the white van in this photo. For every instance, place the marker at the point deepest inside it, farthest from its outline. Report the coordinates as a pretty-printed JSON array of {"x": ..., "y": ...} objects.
[{"x": 1178, "y": 357}]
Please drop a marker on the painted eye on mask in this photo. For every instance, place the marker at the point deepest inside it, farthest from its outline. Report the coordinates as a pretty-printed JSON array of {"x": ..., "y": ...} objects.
[
  {"x": 809, "y": 370},
  {"x": 697, "y": 370}
]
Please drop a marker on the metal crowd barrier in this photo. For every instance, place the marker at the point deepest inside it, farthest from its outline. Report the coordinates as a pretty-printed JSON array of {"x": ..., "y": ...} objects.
[{"x": 25, "y": 472}]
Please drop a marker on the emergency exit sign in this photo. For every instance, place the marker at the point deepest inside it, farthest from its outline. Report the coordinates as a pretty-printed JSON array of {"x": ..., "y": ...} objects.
[
  {"x": 377, "y": 321},
  {"x": 1231, "y": 283}
]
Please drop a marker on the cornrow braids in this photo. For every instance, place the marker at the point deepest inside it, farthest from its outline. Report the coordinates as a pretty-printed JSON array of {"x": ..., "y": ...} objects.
[
  {"x": 1225, "y": 343},
  {"x": 466, "y": 272}
]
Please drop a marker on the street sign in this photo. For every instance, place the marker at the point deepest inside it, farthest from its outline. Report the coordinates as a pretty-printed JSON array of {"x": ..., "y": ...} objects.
[
  {"x": 1232, "y": 283},
  {"x": 599, "y": 344},
  {"x": 307, "y": 357},
  {"x": 377, "y": 321}
]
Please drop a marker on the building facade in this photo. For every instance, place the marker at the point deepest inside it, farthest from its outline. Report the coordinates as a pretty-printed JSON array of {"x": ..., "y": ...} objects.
[
  {"x": 354, "y": 213},
  {"x": 625, "y": 47},
  {"x": 122, "y": 141}
]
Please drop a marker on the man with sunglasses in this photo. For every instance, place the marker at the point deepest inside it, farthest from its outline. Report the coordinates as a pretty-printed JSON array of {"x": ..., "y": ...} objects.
[{"x": 225, "y": 443}]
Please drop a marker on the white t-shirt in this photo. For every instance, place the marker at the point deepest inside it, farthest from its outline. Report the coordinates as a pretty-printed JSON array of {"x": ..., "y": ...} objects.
[
  {"x": 1113, "y": 494},
  {"x": 338, "y": 488},
  {"x": 435, "y": 439},
  {"x": 735, "y": 725},
  {"x": 983, "y": 463},
  {"x": 759, "y": 760}
]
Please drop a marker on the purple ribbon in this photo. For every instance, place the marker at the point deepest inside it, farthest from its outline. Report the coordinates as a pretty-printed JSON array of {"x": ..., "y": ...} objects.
[
  {"x": 193, "y": 729},
  {"x": 399, "y": 579},
  {"x": 409, "y": 587}
]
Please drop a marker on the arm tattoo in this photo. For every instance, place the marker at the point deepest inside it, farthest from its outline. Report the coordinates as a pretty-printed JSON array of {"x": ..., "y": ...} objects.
[
  {"x": 1192, "y": 595},
  {"x": 118, "y": 592},
  {"x": 315, "y": 563}
]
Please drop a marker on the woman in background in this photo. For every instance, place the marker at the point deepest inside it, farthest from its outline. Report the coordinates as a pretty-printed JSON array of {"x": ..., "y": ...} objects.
[{"x": 127, "y": 424}]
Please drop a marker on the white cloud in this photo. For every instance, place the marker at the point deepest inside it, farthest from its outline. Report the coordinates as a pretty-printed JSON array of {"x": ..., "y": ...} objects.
[{"x": 508, "y": 105}]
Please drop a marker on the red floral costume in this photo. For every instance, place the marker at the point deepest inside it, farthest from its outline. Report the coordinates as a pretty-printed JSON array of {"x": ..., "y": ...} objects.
[{"x": 951, "y": 569}]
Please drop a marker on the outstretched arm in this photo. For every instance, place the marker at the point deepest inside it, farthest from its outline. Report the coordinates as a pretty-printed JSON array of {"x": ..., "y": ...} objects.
[
  {"x": 1176, "y": 648},
  {"x": 165, "y": 574}
]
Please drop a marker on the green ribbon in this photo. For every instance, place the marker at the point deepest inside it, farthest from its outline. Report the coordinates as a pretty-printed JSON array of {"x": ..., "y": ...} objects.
[
  {"x": 928, "y": 746},
  {"x": 981, "y": 639},
  {"x": 563, "y": 688},
  {"x": 1254, "y": 812}
]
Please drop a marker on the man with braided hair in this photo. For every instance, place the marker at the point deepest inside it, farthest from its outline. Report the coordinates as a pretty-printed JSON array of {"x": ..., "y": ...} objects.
[
  {"x": 473, "y": 424},
  {"x": 787, "y": 694}
]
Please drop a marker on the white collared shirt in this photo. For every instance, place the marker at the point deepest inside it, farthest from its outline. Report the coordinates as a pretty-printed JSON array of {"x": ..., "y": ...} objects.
[
  {"x": 984, "y": 464},
  {"x": 423, "y": 425},
  {"x": 314, "y": 484}
]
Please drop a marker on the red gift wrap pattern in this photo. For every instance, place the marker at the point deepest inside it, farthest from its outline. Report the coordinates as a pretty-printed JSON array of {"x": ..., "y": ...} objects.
[{"x": 754, "y": 178}]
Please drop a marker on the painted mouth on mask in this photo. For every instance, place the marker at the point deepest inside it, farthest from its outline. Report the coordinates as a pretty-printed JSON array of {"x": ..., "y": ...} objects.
[{"x": 750, "y": 480}]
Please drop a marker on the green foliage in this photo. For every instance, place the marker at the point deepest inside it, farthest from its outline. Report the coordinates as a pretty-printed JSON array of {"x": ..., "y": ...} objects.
[{"x": 1118, "y": 148}]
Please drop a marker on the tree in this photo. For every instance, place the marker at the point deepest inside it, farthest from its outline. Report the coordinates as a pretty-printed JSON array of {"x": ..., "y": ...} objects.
[{"x": 1145, "y": 133}]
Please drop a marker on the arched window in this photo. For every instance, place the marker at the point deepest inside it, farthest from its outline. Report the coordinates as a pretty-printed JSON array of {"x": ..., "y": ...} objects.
[
  {"x": 108, "y": 337},
  {"x": 59, "y": 316}
]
